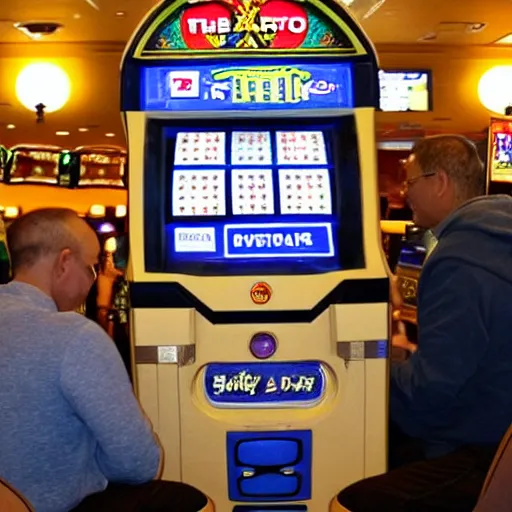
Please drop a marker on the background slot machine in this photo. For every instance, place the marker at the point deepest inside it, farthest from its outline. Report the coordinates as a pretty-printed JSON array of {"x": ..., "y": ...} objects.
[
  {"x": 499, "y": 160},
  {"x": 34, "y": 164},
  {"x": 258, "y": 285},
  {"x": 101, "y": 166},
  {"x": 33, "y": 179}
]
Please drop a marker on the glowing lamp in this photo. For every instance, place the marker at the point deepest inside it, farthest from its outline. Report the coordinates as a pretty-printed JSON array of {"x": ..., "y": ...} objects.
[
  {"x": 106, "y": 227},
  {"x": 495, "y": 89},
  {"x": 110, "y": 245},
  {"x": 43, "y": 83},
  {"x": 121, "y": 210},
  {"x": 97, "y": 210},
  {"x": 11, "y": 212}
]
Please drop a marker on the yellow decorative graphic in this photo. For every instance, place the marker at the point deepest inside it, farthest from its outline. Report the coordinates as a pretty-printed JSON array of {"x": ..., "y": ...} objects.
[{"x": 266, "y": 85}]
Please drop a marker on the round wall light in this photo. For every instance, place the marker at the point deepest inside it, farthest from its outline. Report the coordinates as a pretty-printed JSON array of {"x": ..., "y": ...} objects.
[
  {"x": 43, "y": 83},
  {"x": 495, "y": 89}
]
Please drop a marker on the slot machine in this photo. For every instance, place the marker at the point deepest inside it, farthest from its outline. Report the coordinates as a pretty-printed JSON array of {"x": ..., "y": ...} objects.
[
  {"x": 499, "y": 156},
  {"x": 34, "y": 164},
  {"x": 97, "y": 176},
  {"x": 32, "y": 179},
  {"x": 258, "y": 286}
]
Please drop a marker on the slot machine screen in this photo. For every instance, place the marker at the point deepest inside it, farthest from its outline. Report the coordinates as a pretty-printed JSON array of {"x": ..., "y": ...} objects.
[
  {"x": 102, "y": 170},
  {"x": 252, "y": 199},
  {"x": 35, "y": 166},
  {"x": 501, "y": 157}
]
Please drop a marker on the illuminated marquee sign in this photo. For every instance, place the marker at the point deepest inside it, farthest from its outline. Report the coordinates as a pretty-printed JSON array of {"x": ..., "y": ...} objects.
[
  {"x": 278, "y": 240},
  {"x": 207, "y": 87},
  {"x": 37, "y": 166},
  {"x": 98, "y": 169},
  {"x": 249, "y": 385},
  {"x": 241, "y": 25}
]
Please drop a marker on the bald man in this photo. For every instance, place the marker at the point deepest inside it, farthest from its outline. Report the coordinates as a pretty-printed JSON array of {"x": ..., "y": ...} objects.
[{"x": 72, "y": 434}]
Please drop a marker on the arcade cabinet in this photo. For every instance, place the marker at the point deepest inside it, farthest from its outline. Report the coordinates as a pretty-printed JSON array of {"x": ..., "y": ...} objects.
[
  {"x": 258, "y": 285},
  {"x": 499, "y": 159}
]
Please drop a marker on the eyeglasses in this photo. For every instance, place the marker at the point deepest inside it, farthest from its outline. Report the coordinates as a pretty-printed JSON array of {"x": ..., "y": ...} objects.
[
  {"x": 411, "y": 181},
  {"x": 93, "y": 272}
]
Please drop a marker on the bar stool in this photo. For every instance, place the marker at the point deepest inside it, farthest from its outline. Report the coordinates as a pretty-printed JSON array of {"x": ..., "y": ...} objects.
[
  {"x": 210, "y": 507},
  {"x": 12, "y": 500},
  {"x": 496, "y": 494}
]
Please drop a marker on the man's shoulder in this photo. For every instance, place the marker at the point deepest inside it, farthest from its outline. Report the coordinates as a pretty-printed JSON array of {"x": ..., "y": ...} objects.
[{"x": 55, "y": 327}]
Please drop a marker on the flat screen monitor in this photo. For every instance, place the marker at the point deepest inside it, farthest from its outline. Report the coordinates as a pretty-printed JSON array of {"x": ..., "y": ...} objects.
[
  {"x": 249, "y": 198},
  {"x": 405, "y": 91},
  {"x": 35, "y": 165},
  {"x": 501, "y": 151}
]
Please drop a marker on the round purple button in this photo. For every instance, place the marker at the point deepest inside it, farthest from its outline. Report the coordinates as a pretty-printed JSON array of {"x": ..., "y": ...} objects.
[{"x": 263, "y": 345}]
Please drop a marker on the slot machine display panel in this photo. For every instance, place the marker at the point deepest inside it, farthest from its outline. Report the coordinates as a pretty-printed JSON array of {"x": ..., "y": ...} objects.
[{"x": 243, "y": 198}]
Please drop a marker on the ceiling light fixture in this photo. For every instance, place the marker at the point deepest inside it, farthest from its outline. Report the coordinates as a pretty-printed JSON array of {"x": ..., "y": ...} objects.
[
  {"x": 93, "y": 4},
  {"x": 110, "y": 134},
  {"x": 43, "y": 87},
  {"x": 11, "y": 126},
  {"x": 83, "y": 130},
  {"x": 38, "y": 29},
  {"x": 505, "y": 40},
  {"x": 120, "y": 14},
  {"x": 62, "y": 133}
]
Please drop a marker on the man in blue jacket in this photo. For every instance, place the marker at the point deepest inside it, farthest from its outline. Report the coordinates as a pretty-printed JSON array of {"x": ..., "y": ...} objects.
[{"x": 452, "y": 398}]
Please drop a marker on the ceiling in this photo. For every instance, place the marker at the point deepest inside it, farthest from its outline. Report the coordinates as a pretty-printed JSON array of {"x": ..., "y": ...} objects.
[{"x": 94, "y": 34}]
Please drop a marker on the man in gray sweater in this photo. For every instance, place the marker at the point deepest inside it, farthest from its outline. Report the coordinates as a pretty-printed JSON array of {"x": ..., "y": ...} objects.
[{"x": 72, "y": 433}]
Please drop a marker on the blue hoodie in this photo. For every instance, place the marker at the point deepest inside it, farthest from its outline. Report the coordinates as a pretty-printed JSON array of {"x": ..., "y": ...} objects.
[{"x": 457, "y": 388}]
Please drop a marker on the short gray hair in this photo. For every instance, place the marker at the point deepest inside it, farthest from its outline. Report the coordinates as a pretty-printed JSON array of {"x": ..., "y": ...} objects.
[
  {"x": 458, "y": 157},
  {"x": 38, "y": 234}
]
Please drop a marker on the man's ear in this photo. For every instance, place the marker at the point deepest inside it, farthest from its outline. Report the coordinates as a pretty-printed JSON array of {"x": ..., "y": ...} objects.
[
  {"x": 62, "y": 262},
  {"x": 443, "y": 183}
]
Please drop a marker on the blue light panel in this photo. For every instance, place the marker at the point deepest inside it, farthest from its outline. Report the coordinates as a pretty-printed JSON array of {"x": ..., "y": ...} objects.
[{"x": 247, "y": 86}]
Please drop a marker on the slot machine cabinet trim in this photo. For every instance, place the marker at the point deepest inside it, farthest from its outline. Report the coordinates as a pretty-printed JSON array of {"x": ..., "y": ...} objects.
[
  {"x": 176, "y": 296},
  {"x": 361, "y": 44}
]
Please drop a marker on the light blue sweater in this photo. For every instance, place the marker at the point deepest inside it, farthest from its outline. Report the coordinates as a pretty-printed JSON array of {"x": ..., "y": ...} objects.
[{"x": 69, "y": 421}]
